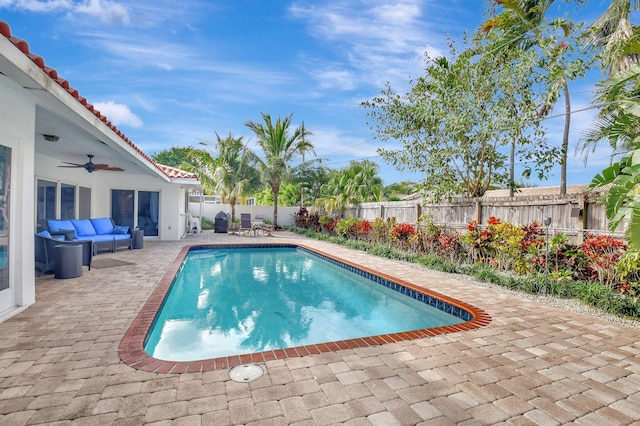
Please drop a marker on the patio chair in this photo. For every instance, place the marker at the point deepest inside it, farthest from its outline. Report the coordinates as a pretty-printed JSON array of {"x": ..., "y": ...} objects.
[
  {"x": 245, "y": 223},
  {"x": 45, "y": 260},
  {"x": 194, "y": 224},
  {"x": 261, "y": 227}
]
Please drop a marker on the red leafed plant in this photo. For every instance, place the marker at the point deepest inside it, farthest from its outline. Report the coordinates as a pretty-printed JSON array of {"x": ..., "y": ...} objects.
[
  {"x": 403, "y": 231},
  {"x": 364, "y": 227},
  {"x": 604, "y": 253}
]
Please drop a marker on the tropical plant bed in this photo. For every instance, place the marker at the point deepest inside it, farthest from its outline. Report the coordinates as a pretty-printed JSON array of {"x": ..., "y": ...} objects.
[{"x": 519, "y": 258}]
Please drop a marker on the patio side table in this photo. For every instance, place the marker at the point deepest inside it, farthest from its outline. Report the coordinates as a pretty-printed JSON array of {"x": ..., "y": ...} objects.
[
  {"x": 68, "y": 261},
  {"x": 138, "y": 239}
]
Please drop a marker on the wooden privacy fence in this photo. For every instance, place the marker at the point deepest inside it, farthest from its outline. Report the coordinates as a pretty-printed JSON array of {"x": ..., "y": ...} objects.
[{"x": 575, "y": 213}]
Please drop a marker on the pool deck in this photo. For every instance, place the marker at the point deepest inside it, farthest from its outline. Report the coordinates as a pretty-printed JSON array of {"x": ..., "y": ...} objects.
[{"x": 533, "y": 364}]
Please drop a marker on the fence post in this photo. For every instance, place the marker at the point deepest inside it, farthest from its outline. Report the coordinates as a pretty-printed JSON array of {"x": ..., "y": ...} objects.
[{"x": 583, "y": 218}]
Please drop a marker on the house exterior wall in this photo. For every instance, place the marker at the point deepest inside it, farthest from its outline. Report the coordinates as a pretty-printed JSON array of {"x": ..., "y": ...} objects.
[
  {"x": 171, "y": 214},
  {"x": 17, "y": 124}
]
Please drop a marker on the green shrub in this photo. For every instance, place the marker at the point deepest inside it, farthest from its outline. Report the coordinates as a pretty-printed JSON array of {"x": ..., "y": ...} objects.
[
  {"x": 206, "y": 224},
  {"x": 558, "y": 282}
]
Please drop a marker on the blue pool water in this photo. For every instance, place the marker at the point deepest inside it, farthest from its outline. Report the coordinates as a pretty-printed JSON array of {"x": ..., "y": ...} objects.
[{"x": 232, "y": 301}]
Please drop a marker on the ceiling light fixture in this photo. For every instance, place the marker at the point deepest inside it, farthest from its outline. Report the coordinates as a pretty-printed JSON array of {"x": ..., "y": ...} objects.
[{"x": 50, "y": 138}]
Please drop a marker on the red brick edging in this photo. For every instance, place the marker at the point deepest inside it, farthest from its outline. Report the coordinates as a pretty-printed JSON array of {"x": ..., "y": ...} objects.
[{"x": 132, "y": 353}]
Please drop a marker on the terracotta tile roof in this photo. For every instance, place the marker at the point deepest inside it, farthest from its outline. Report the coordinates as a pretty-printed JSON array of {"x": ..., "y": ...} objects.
[
  {"x": 23, "y": 46},
  {"x": 175, "y": 173}
]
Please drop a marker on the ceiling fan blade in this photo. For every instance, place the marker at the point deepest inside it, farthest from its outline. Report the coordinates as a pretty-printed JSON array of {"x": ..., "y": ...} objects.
[
  {"x": 108, "y": 168},
  {"x": 72, "y": 164}
]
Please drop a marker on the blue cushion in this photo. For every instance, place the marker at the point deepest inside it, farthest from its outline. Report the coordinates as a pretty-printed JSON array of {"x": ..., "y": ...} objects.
[
  {"x": 83, "y": 227},
  {"x": 102, "y": 225},
  {"x": 120, "y": 229},
  {"x": 59, "y": 225},
  {"x": 45, "y": 233},
  {"x": 100, "y": 238}
]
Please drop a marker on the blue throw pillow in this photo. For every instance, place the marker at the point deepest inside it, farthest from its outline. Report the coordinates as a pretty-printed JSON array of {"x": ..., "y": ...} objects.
[
  {"x": 120, "y": 229},
  {"x": 45, "y": 233}
]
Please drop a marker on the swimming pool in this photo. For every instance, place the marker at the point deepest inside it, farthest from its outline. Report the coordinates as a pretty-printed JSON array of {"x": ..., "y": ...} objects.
[{"x": 457, "y": 316}]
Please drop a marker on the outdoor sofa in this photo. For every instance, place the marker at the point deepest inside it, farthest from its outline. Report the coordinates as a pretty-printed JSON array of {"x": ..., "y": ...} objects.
[{"x": 103, "y": 232}]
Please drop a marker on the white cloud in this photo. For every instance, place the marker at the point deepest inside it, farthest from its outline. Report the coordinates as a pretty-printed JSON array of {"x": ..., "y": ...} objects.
[
  {"x": 39, "y": 6},
  {"x": 118, "y": 114},
  {"x": 330, "y": 78},
  {"x": 105, "y": 10},
  {"x": 329, "y": 141},
  {"x": 379, "y": 41}
]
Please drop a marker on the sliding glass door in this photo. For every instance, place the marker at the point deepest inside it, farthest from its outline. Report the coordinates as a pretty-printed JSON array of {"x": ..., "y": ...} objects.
[
  {"x": 136, "y": 208},
  {"x": 6, "y": 287},
  {"x": 148, "y": 212},
  {"x": 122, "y": 207}
]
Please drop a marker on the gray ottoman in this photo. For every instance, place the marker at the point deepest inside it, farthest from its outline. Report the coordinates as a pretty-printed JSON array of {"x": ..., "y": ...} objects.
[{"x": 68, "y": 261}]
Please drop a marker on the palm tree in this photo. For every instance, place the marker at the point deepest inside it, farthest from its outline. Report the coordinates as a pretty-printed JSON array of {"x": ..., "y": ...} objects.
[
  {"x": 230, "y": 175},
  {"x": 524, "y": 23},
  {"x": 617, "y": 44},
  {"x": 620, "y": 118},
  {"x": 279, "y": 148},
  {"x": 611, "y": 34},
  {"x": 310, "y": 180},
  {"x": 357, "y": 183}
]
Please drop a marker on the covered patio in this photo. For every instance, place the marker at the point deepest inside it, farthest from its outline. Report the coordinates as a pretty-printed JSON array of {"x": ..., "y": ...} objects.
[{"x": 533, "y": 364}]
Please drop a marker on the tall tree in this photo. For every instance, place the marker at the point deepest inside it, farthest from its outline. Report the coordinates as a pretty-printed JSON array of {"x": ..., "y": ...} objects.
[
  {"x": 279, "y": 148},
  {"x": 174, "y": 157},
  {"x": 231, "y": 175},
  {"x": 455, "y": 121}
]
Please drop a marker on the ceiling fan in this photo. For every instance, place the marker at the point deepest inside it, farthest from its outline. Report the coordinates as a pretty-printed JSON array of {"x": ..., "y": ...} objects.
[{"x": 92, "y": 167}]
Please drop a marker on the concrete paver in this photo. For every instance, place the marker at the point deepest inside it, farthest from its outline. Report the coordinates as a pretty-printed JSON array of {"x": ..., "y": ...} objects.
[{"x": 533, "y": 364}]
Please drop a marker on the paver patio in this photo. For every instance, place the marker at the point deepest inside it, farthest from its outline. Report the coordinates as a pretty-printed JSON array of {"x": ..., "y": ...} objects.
[{"x": 534, "y": 364}]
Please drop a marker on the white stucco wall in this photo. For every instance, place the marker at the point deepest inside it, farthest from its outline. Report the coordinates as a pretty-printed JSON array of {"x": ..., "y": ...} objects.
[
  {"x": 209, "y": 211},
  {"x": 17, "y": 127}
]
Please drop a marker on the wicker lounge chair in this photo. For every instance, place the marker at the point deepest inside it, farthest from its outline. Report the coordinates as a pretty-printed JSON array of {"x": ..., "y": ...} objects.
[{"x": 45, "y": 252}]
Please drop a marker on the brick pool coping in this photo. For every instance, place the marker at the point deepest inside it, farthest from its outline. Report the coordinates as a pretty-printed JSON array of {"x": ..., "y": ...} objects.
[{"x": 131, "y": 350}]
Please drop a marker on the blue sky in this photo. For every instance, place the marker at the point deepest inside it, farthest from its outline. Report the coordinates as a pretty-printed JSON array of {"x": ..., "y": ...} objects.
[{"x": 172, "y": 73}]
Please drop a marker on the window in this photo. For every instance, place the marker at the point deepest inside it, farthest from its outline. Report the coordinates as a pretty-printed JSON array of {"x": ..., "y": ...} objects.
[
  {"x": 67, "y": 201},
  {"x": 46, "y": 208}
]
